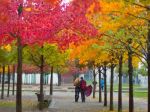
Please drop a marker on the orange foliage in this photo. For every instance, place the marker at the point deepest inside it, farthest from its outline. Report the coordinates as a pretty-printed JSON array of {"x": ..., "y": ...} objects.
[
  {"x": 52, "y": 2},
  {"x": 115, "y": 15},
  {"x": 85, "y": 51},
  {"x": 3, "y": 17}
]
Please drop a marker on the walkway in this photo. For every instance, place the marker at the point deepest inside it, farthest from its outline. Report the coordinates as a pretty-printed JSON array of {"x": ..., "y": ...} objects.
[{"x": 63, "y": 101}]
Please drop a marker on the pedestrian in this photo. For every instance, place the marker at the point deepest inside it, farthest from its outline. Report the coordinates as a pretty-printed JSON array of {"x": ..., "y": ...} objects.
[
  {"x": 102, "y": 84},
  {"x": 77, "y": 89},
  {"x": 82, "y": 89}
]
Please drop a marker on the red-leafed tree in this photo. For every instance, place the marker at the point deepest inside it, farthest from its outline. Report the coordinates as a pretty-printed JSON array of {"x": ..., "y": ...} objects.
[{"x": 26, "y": 26}]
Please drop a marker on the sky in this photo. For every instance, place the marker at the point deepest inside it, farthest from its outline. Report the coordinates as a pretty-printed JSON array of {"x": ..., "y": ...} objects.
[{"x": 66, "y": 1}]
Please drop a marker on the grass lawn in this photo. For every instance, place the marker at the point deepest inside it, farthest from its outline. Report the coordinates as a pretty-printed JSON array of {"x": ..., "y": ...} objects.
[
  {"x": 7, "y": 104},
  {"x": 89, "y": 82},
  {"x": 126, "y": 87},
  {"x": 140, "y": 94},
  {"x": 25, "y": 104}
]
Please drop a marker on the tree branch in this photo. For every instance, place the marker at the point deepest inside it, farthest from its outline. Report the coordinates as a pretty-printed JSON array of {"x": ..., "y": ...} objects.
[{"x": 146, "y": 7}]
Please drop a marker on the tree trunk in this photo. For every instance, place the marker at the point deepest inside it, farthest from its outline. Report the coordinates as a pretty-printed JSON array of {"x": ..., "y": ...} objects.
[
  {"x": 100, "y": 92},
  {"x": 130, "y": 72},
  {"x": 0, "y": 77},
  {"x": 41, "y": 83},
  {"x": 46, "y": 79},
  {"x": 13, "y": 91},
  {"x": 8, "y": 81},
  {"x": 19, "y": 77},
  {"x": 94, "y": 83},
  {"x": 148, "y": 62},
  {"x": 111, "y": 88},
  {"x": 120, "y": 85},
  {"x": 105, "y": 87},
  {"x": 3, "y": 79},
  {"x": 59, "y": 79},
  {"x": 51, "y": 82},
  {"x": 44, "y": 82}
]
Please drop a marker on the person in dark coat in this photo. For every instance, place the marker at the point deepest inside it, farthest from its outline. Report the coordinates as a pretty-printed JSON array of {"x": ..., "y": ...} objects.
[
  {"x": 77, "y": 89},
  {"x": 82, "y": 89}
]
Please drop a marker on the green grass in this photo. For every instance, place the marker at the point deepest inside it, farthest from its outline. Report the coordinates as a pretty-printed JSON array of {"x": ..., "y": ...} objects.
[
  {"x": 12, "y": 104},
  {"x": 140, "y": 94},
  {"x": 89, "y": 82},
  {"x": 126, "y": 86},
  {"x": 7, "y": 104}
]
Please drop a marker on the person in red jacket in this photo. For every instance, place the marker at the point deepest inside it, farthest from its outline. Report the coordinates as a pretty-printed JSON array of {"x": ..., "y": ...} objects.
[{"x": 82, "y": 89}]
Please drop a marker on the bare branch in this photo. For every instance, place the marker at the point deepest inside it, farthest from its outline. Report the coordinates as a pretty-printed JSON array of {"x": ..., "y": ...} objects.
[
  {"x": 138, "y": 17},
  {"x": 140, "y": 5}
]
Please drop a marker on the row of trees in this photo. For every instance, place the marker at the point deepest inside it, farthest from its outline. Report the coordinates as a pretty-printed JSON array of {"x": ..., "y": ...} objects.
[
  {"x": 35, "y": 24},
  {"x": 99, "y": 34},
  {"x": 7, "y": 67},
  {"x": 124, "y": 28}
]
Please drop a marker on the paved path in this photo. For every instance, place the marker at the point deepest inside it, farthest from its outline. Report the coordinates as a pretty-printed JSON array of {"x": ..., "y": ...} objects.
[{"x": 63, "y": 101}]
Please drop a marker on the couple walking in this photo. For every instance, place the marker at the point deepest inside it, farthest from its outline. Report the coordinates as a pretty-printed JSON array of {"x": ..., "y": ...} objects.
[{"x": 80, "y": 86}]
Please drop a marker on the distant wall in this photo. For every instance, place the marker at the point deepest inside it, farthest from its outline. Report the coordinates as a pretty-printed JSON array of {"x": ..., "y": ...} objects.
[{"x": 35, "y": 78}]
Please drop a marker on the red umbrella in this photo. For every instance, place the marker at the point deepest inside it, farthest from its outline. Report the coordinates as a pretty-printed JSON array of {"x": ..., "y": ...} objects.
[{"x": 88, "y": 90}]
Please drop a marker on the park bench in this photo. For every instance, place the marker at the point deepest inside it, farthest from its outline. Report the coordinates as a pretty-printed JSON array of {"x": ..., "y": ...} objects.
[{"x": 47, "y": 98}]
